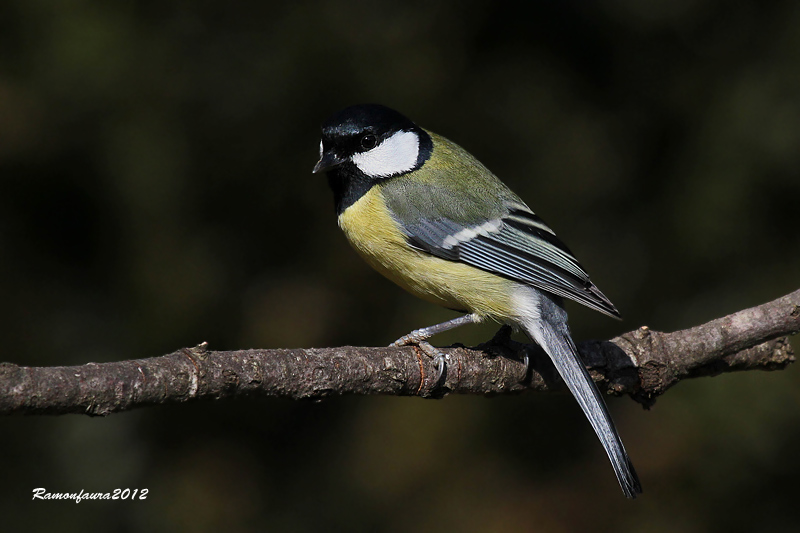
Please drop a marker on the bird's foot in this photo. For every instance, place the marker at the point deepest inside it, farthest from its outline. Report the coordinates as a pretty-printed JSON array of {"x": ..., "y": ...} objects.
[
  {"x": 415, "y": 339},
  {"x": 502, "y": 345}
]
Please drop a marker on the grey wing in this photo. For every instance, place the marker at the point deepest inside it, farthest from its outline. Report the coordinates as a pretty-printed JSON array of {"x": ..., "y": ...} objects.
[{"x": 517, "y": 245}]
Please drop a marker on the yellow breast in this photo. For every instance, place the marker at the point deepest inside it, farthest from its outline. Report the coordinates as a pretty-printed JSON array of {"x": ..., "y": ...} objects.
[{"x": 372, "y": 232}]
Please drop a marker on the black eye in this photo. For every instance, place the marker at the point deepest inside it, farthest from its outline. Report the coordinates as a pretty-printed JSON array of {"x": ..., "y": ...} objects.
[{"x": 368, "y": 141}]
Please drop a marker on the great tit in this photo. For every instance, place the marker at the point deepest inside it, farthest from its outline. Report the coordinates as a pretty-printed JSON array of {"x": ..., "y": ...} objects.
[{"x": 427, "y": 215}]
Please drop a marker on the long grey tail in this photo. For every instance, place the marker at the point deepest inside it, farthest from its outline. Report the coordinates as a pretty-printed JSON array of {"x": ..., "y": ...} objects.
[{"x": 557, "y": 342}]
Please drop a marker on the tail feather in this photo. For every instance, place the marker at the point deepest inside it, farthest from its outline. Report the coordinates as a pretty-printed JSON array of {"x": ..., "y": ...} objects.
[{"x": 556, "y": 341}]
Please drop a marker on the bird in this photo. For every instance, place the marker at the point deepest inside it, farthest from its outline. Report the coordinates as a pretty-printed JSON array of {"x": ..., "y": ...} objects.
[{"x": 427, "y": 215}]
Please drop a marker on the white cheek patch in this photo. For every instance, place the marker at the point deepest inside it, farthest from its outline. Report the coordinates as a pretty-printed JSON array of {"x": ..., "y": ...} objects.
[
  {"x": 395, "y": 155},
  {"x": 320, "y": 148}
]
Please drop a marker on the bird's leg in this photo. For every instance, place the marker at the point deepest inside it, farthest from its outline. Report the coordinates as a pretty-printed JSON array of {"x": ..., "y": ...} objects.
[
  {"x": 426, "y": 333},
  {"x": 420, "y": 336}
]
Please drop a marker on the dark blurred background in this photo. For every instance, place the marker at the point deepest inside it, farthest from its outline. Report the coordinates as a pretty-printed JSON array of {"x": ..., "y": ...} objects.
[{"x": 156, "y": 192}]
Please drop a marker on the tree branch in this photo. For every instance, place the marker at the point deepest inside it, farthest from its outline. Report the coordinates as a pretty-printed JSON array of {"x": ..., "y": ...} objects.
[{"x": 643, "y": 363}]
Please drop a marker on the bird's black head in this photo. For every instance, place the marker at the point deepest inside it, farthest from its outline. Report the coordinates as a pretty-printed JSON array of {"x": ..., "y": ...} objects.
[
  {"x": 377, "y": 140},
  {"x": 364, "y": 144}
]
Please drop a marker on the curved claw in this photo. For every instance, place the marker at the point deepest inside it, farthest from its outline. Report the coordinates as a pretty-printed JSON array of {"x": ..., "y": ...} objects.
[
  {"x": 526, "y": 360},
  {"x": 428, "y": 349},
  {"x": 438, "y": 357}
]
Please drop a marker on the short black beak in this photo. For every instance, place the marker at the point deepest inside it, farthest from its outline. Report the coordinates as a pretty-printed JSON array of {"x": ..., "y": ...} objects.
[{"x": 328, "y": 160}]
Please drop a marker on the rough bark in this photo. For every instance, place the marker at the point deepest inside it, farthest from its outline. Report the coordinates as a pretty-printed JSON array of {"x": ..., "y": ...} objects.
[{"x": 642, "y": 363}]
